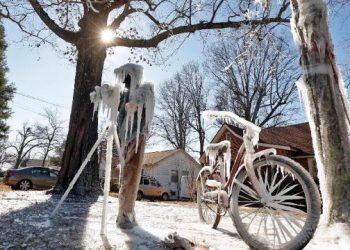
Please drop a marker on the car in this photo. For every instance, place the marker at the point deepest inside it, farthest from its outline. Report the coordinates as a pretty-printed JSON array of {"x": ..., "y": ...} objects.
[
  {"x": 31, "y": 178},
  {"x": 150, "y": 188}
]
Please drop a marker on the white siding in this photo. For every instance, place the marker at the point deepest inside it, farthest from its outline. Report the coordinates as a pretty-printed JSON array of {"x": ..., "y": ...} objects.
[{"x": 162, "y": 171}]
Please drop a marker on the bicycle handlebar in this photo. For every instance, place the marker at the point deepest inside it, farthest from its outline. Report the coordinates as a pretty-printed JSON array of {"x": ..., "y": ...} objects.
[{"x": 251, "y": 129}]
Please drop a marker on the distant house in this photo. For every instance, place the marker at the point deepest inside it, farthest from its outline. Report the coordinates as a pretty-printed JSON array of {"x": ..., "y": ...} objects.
[
  {"x": 171, "y": 168},
  {"x": 293, "y": 141}
]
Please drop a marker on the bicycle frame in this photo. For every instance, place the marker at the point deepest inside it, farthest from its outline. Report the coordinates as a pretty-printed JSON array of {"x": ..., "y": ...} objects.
[{"x": 244, "y": 159}]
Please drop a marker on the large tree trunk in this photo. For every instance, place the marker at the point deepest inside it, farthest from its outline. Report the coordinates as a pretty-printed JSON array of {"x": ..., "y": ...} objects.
[
  {"x": 82, "y": 133},
  {"x": 326, "y": 105},
  {"x": 82, "y": 128},
  {"x": 130, "y": 179}
]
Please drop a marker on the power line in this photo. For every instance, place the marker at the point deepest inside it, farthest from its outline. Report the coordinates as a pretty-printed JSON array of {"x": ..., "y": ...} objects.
[
  {"x": 21, "y": 107},
  {"x": 41, "y": 100}
]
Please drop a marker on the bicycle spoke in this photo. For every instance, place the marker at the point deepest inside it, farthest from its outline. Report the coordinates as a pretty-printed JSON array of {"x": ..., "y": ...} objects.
[
  {"x": 256, "y": 213},
  {"x": 260, "y": 224},
  {"x": 278, "y": 184},
  {"x": 275, "y": 228},
  {"x": 250, "y": 191}
]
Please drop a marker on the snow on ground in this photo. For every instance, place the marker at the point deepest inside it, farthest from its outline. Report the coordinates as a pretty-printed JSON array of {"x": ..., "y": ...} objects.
[{"x": 25, "y": 223}]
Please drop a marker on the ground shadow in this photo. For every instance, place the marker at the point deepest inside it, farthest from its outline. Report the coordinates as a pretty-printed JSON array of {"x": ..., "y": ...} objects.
[
  {"x": 142, "y": 239},
  {"x": 229, "y": 233},
  {"x": 32, "y": 227}
]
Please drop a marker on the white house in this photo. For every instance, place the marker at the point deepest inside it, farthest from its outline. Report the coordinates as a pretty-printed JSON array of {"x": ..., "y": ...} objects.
[{"x": 168, "y": 167}]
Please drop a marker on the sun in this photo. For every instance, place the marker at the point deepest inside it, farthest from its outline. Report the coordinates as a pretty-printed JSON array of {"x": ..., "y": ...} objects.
[{"x": 107, "y": 36}]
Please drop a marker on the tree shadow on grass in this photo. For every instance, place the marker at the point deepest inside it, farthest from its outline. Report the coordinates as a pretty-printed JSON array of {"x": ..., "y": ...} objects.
[
  {"x": 32, "y": 227},
  {"x": 138, "y": 238}
]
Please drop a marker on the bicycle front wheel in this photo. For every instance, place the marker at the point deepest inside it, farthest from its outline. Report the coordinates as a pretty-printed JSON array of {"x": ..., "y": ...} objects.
[{"x": 287, "y": 218}]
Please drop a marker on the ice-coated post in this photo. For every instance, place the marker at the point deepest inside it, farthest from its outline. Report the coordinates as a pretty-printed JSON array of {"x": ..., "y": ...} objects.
[
  {"x": 107, "y": 177},
  {"x": 120, "y": 154},
  {"x": 87, "y": 159}
]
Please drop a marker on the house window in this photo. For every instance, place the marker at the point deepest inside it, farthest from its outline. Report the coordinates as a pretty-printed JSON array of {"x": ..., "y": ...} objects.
[
  {"x": 185, "y": 173},
  {"x": 174, "y": 177}
]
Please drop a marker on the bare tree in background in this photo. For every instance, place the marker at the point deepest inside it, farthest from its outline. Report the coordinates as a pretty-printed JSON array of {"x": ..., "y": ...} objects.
[
  {"x": 51, "y": 134},
  {"x": 135, "y": 24},
  {"x": 26, "y": 141},
  {"x": 255, "y": 78},
  {"x": 56, "y": 158},
  {"x": 172, "y": 118},
  {"x": 197, "y": 92},
  {"x": 180, "y": 102}
]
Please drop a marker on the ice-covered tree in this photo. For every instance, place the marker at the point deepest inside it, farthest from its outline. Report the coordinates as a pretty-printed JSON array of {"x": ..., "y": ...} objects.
[
  {"x": 326, "y": 105},
  {"x": 254, "y": 77},
  {"x": 126, "y": 23},
  {"x": 6, "y": 89}
]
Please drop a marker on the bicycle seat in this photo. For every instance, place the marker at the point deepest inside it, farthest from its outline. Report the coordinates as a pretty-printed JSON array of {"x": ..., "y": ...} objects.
[{"x": 213, "y": 183}]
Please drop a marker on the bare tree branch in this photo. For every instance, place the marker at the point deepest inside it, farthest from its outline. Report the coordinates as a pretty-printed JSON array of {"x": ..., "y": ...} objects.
[{"x": 66, "y": 35}]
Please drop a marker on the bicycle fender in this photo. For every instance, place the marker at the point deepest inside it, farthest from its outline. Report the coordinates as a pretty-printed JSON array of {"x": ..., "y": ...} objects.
[{"x": 266, "y": 153}]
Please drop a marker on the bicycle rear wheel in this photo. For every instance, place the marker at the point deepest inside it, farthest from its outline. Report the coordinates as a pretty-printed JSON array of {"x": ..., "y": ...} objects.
[
  {"x": 208, "y": 210},
  {"x": 288, "y": 217}
]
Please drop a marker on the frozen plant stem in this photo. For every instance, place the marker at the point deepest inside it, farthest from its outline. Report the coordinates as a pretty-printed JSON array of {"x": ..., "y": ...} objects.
[
  {"x": 71, "y": 185},
  {"x": 107, "y": 177}
]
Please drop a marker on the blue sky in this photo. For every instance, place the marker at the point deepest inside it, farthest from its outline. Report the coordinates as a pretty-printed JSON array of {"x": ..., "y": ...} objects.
[{"x": 44, "y": 73}]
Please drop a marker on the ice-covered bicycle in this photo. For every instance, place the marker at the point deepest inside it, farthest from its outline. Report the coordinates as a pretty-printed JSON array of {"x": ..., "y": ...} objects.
[{"x": 272, "y": 200}]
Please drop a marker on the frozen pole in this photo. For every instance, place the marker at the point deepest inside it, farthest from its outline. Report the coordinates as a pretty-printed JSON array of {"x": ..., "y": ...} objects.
[
  {"x": 121, "y": 159},
  {"x": 87, "y": 159},
  {"x": 107, "y": 176}
]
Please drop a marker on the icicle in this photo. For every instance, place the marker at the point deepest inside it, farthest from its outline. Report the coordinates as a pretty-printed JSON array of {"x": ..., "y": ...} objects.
[
  {"x": 95, "y": 98},
  {"x": 130, "y": 111},
  {"x": 135, "y": 72},
  {"x": 139, "y": 116}
]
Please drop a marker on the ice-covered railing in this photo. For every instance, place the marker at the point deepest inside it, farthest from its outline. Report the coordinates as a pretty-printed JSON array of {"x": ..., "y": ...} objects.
[{"x": 252, "y": 131}]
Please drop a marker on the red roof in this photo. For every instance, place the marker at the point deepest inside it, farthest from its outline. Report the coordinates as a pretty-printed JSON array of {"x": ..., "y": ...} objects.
[{"x": 297, "y": 136}]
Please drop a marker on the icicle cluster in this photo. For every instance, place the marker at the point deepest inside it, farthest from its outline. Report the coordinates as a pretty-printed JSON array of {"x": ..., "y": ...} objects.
[
  {"x": 251, "y": 129},
  {"x": 135, "y": 72},
  {"x": 214, "y": 149},
  {"x": 141, "y": 96},
  {"x": 107, "y": 97}
]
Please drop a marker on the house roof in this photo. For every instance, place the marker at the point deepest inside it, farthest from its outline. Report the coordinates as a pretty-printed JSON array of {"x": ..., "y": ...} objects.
[
  {"x": 153, "y": 158},
  {"x": 297, "y": 136}
]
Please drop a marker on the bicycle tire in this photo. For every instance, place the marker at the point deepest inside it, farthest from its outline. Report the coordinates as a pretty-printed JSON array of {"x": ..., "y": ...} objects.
[
  {"x": 286, "y": 205},
  {"x": 208, "y": 213}
]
